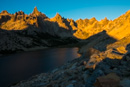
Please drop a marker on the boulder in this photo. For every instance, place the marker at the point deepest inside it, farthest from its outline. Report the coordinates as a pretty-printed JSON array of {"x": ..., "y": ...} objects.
[
  {"x": 125, "y": 82},
  {"x": 110, "y": 80}
]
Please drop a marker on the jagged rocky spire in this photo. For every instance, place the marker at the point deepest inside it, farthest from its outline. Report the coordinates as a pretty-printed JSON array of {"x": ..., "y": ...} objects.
[
  {"x": 4, "y": 12},
  {"x": 93, "y": 19},
  {"x": 105, "y": 19},
  {"x": 58, "y": 16},
  {"x": 37, "y": 13},
  {"x": 128, "y": 12}
]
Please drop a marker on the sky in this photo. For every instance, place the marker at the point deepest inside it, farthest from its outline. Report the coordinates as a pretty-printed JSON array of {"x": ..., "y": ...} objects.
[{"x": 74, "y": 9}]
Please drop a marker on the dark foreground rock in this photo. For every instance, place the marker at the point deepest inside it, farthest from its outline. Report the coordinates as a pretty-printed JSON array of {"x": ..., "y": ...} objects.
[
  {"x": 101, "y": 58},
  {"x": 75, "y": 74}
]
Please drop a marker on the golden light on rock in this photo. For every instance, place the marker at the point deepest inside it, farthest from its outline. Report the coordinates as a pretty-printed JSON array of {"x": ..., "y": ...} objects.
[{"x": 84, "y": 28}]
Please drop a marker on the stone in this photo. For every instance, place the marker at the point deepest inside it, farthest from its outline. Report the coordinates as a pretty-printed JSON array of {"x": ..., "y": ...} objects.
[
  {"x": 55, "y": 70},
  {"x": 84, "y": 62},
  {"x": 73, "y": 66},
  {"x": 49, "y": 85},
  {"x": 92, "y": 78},
  {"x": 123, "y": 62},
  {"x": 125, "y": 82},
  {"x": 115, "y": 70},
  {"x": 74, "y": 81},
  {"x": 110, "y": 80},
  {"x": 127, "y": 58},
  {"x": 70, "y": 85}
]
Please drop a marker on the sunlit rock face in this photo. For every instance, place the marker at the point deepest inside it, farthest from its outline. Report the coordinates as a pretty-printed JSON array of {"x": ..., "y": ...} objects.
[
  {"x": 81, "y": 29},
  {"x": 38, "y": 25},
  {"x": 57, "y": 26},
  {"x": 106, "y": 47},
  {"x": 118, "y": 28},
  {"x": 20, "y": 31}
]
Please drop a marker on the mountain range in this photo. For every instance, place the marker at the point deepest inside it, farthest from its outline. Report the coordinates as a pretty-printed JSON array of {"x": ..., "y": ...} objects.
[
  {"x": 20, "y": 32},
  {"x": 104, "y": 47}
]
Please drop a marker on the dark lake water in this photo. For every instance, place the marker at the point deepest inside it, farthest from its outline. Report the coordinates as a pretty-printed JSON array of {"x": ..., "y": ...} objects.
[{"x": 21, "y": 66}]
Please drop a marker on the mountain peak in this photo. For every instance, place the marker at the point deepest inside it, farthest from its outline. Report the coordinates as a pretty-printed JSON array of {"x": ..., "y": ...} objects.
[
  {"x": 35, "y": 11},
  {"x": 38, "y": 13},
  {"x": 93, "y": 19},
  {"x": 4, "y": 12},
  {"x": 128, "y": 12},
  {"x": 58, "y": 15},
  {"x": 105, "y": 18}
]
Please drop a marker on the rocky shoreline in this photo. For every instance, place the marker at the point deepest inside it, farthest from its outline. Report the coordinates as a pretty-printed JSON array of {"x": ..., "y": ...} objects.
[
  {"x": 104, "y": 62},
  {"x": 107, "y": 73},
  {"x": 104, "y": 45}
]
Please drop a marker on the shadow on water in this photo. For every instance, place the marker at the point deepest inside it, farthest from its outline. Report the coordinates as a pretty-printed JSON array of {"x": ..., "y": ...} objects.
[{"x": 17, "y": 67}]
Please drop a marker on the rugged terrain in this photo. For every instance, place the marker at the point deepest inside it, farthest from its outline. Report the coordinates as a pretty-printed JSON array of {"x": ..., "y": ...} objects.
[
  {"x": 104, "y": 46},
  {"x": 22, "y": 32},
  {"x": 107, "y": 66}
]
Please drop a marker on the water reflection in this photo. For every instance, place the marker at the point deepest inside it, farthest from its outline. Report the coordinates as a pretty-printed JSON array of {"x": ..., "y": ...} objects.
[{"x": 16, "y": 67}]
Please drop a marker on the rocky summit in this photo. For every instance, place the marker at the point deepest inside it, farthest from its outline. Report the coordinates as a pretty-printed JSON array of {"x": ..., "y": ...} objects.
[{"x": 104, "y": 47}]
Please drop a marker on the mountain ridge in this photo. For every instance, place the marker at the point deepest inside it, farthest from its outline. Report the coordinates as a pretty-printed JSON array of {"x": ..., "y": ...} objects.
[
  {"x": 57, "y": 30},
  {"x": 83, "y": 28},
  {"x": 104, "y": 46}
]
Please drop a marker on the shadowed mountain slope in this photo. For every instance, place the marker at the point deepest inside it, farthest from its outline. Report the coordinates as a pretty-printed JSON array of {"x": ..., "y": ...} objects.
[
  {"x": 39, "y": 30},
  {"x": 109, "y": 58}
]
